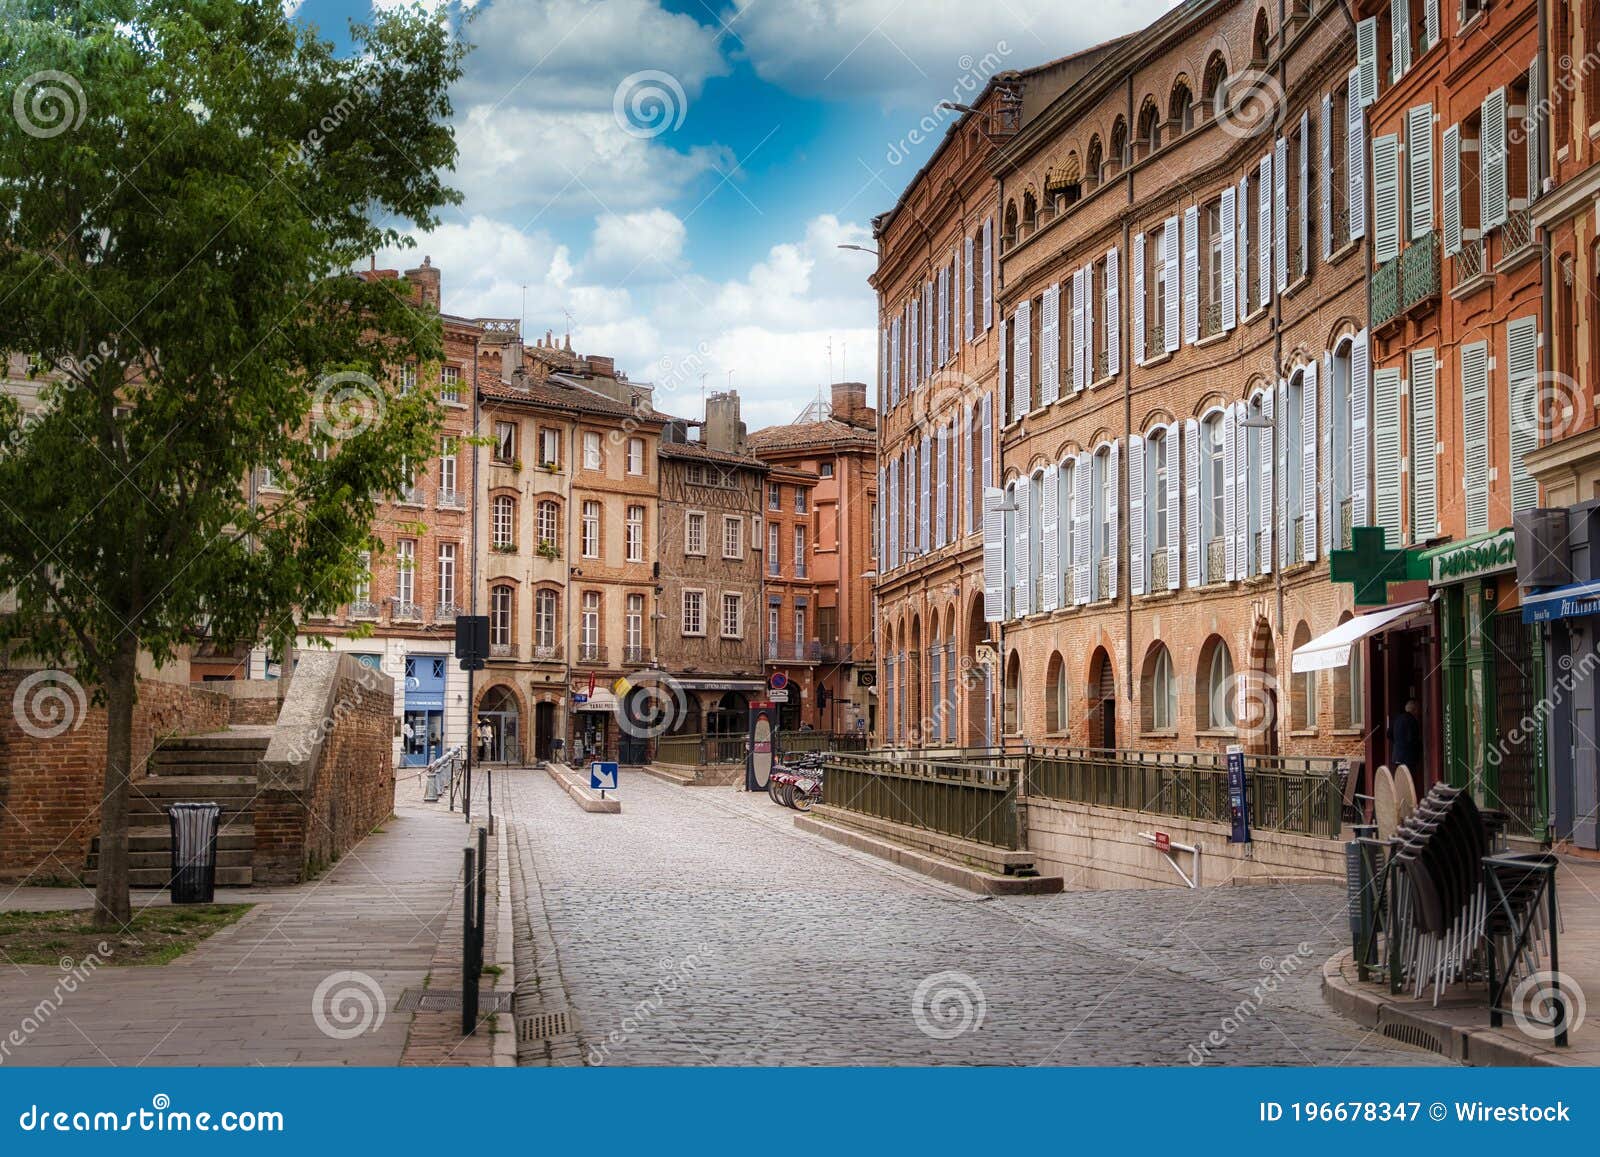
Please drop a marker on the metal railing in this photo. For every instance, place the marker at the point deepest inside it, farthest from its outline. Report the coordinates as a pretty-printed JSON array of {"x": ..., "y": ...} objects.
[
  {"x": 693, "y": 749},
  {"x": 797, "y": 742},
  {"x": 446, "y": 613},
  {"x": 441, "y": 774},
  {"x": 591, "y": 653},
  {"x": 474, "y": 922},
  {"x": 1468, "y": 263},
  {"x": 1419, "y": 275},
  {"x": 450, "y": 500},
  {"x": 407, "y": 611},
  {"x": 1517, "y": 235},
  {"x": 365, "y": 609},
  {"x": 794, "y": 650},
  {"x": 636, "y": 655},
  {"x": 1217, "y": 560},
  {"x": 1159, "y": 575},
  {"x": 1347, "y": 515},
  {"x": 1103, "y": 572},
  {"x": 1211, "y": 319},
  {"x": 1155, "y": 336},
  {"x": 546, "y": 652},
  {"x": 970, "y": 801},
  {"x": 1385, "y": 304}
]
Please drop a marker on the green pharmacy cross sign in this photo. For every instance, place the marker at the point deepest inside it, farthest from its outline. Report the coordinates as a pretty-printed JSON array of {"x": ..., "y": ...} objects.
[{"x": 1369, "y": 566}]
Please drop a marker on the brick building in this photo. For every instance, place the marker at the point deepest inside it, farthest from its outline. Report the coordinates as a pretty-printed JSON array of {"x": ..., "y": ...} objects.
[
  {"x": 838, "y": 443},
  {"x": 709, "y": 584},
  {"x": 791, "y": 635},
  {"x": 1453, "y": 93}
]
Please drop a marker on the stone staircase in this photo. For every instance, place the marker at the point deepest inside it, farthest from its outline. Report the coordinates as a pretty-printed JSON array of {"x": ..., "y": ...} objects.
[{"x": 218, "y": 768}]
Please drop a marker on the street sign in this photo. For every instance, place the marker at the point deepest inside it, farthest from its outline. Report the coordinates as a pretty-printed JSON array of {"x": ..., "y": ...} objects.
[
  {"x": 778, "y": 696},
  {"x": 1163, "y": 842},
  {"x": 779, "y": 680},
  {"x": 580, "y": 698},
  {"x": 761, "y": 704},
  {"x": 602, "y": 776},
  {"x": 472, "y": 641},
  {"x": 985, "y": 655}
]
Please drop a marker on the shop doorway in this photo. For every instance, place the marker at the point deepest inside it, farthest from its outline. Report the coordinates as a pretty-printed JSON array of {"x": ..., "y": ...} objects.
[
  {"x": 1103, "y": 701},
  {"x": 422, "y": 726},
  {"x": 499, "y": 735},
  {"x": 544, "y": 730}
]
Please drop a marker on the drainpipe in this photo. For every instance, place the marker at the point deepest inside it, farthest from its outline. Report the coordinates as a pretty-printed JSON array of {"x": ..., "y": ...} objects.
[
  {"x": 1277, "y": 330},
  {"x": 1125, "y": 359},
  {"x": 1538, "y": 100}
]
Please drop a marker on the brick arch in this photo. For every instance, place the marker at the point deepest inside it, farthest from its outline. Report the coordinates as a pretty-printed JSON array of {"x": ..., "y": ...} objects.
[
  {"x": 1207, "y": 403},
  {"x": 1159, "y": 416},
  {"x": 1099, "y": 686},
  {"x": 1343, "y": 330}
]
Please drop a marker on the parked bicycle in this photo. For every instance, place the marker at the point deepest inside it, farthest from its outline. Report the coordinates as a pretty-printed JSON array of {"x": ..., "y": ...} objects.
[{"x": 797, "y": 781}]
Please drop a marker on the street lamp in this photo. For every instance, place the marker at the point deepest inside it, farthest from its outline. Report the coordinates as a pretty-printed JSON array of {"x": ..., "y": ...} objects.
[
  {"x": 858, "y": 248},
  {"x": 957, "y": 106}
]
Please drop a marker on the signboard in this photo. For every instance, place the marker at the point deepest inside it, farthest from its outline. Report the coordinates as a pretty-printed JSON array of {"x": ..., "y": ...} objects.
[
  {"x": 1238, "y": 796},
  {"x": 763, "y": 745},
  {"x": 580, "y": 698},
  {"x": 602, "y": 776},
  {"x": 1484, "y": 556},
  {"x": 985, "y": 655},
  {"x": 866, "y": 677},
  {"x": 778, "y": 697},
  {"x": 472, "y": 641},
  {"x": 779, "y": 680},
  {"x": 1163, "y": 842}
]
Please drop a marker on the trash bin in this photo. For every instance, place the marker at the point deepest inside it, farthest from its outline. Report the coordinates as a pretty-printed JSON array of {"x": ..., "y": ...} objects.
[{"x": 194, "y": 852}]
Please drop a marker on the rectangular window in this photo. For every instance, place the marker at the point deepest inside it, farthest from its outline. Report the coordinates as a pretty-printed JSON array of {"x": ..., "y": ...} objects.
[
  {"x": 362, "y": 594},
  {"x": 799, "y": 552},
  {"x": 447, "y": 470},
  {"x": 447, "y": 575},
  {"x": 694, "y": 612},
  {"x": 775, "y": 497},
  {"x": 503, "y": 526},
  {"x": 544, "y": 621},
  {"x": 636, "y": 456},
  {"x": 825, "y": 470},
  {"x": 635, "y": 531},
  {"x": 505, "y": 441},
  {"x": 406, "y": 573},
  {"x": 1211, "y": 307},
  {"x": 591, "y": 623},
  {"x": 799, "y": 500},
  {"x": 591, "y": 450},
  {"x": 591, "y": 529},
  {"x": 549, "y": 529},
  {"x": 408, "y": 379},
  {"x": 773, "y": 613},
  {"x": 694, "y": 533},
  {"x": 800, "y": 639},
  {"x": 450, "y": 385},
  {"x": 549, "y": 447},
  {"x": 732, "y": 536},
  {"x": 773, "y": 552},
  {"x": 500, "y": 618},
  {"x": 732, "y": 615},
  {"x": 634, "y": 622}
]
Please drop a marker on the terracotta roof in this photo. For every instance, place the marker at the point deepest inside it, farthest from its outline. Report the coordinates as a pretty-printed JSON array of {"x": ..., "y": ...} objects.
[
  {"x": 556, "y": 395},
  {"x": 699, "y": 452},
  {"x": 799, "y": 435}
]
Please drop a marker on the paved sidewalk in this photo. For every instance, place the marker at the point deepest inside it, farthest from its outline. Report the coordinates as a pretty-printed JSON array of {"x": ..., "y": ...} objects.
[
  {"x": 309, "y": 976},
  {"x": 1460, "y": 1022}
]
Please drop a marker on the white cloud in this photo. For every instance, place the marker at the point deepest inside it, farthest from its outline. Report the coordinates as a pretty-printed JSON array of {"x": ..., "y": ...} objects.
[{"x": 636, "y": 246}]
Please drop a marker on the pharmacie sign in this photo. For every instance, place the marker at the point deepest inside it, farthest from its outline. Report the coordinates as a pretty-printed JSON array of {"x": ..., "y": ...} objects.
[{"x": 1471, "y": 559}]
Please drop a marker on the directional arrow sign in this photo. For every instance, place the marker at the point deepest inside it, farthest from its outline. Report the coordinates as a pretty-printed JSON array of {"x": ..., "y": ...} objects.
[{"x": 602, "y": 776}]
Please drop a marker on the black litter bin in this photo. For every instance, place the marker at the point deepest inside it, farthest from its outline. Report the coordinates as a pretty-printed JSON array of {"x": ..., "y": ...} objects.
[{"x": 194, "y": 852}]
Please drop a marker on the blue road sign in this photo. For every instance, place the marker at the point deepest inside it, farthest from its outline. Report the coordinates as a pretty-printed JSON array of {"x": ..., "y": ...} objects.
[{"x": 602, "y": 776}]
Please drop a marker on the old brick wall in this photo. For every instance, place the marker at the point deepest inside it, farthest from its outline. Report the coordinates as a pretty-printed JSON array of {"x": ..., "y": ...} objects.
[{"x": 50, "y": 787}]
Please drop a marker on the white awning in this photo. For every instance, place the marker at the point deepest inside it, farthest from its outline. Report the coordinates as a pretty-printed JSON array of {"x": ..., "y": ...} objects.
[
  {"x": 1329, "y": 651},
  {"x": 601, "y": 700}
]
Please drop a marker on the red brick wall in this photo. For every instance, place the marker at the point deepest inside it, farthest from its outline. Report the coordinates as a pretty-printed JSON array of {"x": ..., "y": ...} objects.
[{"x": 50, "y": 788}]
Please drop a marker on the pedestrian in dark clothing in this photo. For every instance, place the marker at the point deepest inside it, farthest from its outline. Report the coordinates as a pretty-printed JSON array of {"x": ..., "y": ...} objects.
[{"x": 1405, "y": 738}]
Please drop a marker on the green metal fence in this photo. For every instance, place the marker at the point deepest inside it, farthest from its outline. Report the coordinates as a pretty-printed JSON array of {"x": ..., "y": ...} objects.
[
  {"x": 800, "y": 742},
  {"x": 971, "y": 801}
]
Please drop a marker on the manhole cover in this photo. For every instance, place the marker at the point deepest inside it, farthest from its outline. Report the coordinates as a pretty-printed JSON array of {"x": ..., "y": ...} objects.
[
  {"x": 544, "y": 1025},
  {"x": 449, "y": 1000}
]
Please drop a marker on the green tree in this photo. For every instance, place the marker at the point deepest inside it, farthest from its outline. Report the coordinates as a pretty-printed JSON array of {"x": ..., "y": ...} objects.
[{"x": 185, "y": 186}]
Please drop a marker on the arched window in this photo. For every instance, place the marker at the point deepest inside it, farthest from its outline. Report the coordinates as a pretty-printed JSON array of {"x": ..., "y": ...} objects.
[
  {"x": 1119, "y": 142},
  {"x": 1158, "y": 691},
  {"x": 501, "y": 599},
  {"x": 1036, "y": 542},
  {"x": 1149, "y": 134},
  {"x": 1096, "y": 163},
  {"x": 505, "y": 523},
  {"x": 1103, "y": 504},
  {"x": 1214, "y": 85},
  {"x": 1343, "y": 456},
  {"x": 1030, "y": 213},
  {"x": 1348, "y": 682},
  {"x": 1158, "y": 467},
  {"x": 1180, "y": 108},
  {"x": 1013, "y": 719},
  {"x": 1213, "y": 500},
  {"x": 1056, "y": 714},
  {"x": 936, "y": 684},
  {"x": 1008, "y": 235},
  {"x": 1259, "y": 41},
  {"x": 1215, "y": 712},
  {"x": 549, "y": 529},
  {"x": 546, "y": 620},
  {"x": 1303, "y": 696}
]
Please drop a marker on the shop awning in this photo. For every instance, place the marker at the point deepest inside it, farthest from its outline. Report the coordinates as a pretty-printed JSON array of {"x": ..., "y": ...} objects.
[
  {"x": 601, "y": 700},
  {"x": 1568, "y": 602},
  {"x": 1332, "y": 650},
  {"x": 692, "y": 684}
]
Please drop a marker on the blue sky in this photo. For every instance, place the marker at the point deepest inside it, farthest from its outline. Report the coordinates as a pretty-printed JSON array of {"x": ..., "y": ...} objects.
[{"x": 696, "y": 234}]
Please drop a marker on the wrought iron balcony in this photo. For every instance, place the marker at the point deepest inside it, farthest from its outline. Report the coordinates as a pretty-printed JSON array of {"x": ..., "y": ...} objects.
[
  {"x": 1385, "y": 306},
  {"x": 592, "y": 653},
  {"x": 1155, "y": 337},
  {"x": 1211, "y": 320},
  {"x": 411, "y": 496},
  {"x": 500, "y": 650},
  {"x": 1516, "y": 237},
  {"x": 450, "y": 500},
  {"x": 793, "y": 651},
  {"x": 1102, "y": 366},
  {"x": 1347, "y": 513},
  {"x": 1419, "y": 275},
  {"x": 1103, "y": 573},
  {"x": 1217, "y": 561},
  {"x": 636, "y": 656},
  {"x": 446, "y": 613},
  {"x": 364, "y": 609},
  {"x": 1468, "y": 263},
  {"x": 547, "y": 652},
  {"x": 1160, "y": 577},
  {"x": 410, "y": 611}
]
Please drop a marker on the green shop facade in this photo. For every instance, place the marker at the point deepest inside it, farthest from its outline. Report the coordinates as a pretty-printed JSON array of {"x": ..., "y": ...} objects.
[{"x": 1465, "y": 658}]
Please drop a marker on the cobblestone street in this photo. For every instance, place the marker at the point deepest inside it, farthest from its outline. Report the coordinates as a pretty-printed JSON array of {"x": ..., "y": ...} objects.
[{"x": 698, "y": 927}]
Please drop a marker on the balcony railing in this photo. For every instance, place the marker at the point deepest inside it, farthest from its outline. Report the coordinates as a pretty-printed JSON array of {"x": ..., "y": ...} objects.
[
  {"x": 1102, "y": 366},
  {"x": 409, "y": 611},
  {"x": 1468, "y": 263},
  {"x": 1103, "y": 573},
  {"x": 1211, "y": 320},
  {"x": 1155, "y": 336},
  {"x": 793, "y": 651},
  {"x": 1160, "y": 577},
  {"x": 1347, "y": 513},
  {"x": 446, "y": 613},
  {"x": 1517, "y": 235},
  {"x": 450, "y": 500},
  {"x": 500, "y": 650},
  {"x": 411, "y": 496},
  {"x": 799, "y": 568},
  {"x": 364, "y": 609},
  {"x": 1385, "y": 305},
  {"x": 592, "y": 653},
  {"x": 1297, "y": 537},
  {"x": 547, "y": 652},
  {"x": 636, "y": 656},
  {"x": 1217, "y": 560},
  {"x": 1419, "y": 275}
]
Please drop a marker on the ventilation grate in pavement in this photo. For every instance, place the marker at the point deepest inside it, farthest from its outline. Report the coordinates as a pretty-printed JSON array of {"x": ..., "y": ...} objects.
[
  {"x": 1415, "y": 1035},
  {"x": 544, "y": 1025},
  {"x": 449, "y": 1000}
]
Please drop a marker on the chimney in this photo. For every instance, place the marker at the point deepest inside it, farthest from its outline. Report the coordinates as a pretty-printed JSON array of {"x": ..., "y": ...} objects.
[
  {"x": 601, "y": 367},
  {"x": 511, "y": 361},
  {"x": 426, "y": 278},
  {"x": 850, "y": 402},
  {"x": 724, "y": 431}
]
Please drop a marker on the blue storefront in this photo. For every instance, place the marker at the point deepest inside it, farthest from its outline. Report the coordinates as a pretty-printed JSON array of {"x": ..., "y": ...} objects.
[{"x": 422, "y": 729}]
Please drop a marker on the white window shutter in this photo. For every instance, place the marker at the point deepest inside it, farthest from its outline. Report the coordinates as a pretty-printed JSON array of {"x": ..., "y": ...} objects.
[
  {"x": 1400, "y": 36},
  {"x": 1088, "y": 324},
  {"x": 914, "y": 358},
  {"x": 1114, "y": 547},
  {"x": 1175, "y": 481},
  {"x": 1169, "y": 253},
  {"x": 1022, "y": 570},
  {"x": 988, "y": 272},
  {"x": 1077, "y": 331},
  {"x": 1286, "y": 548},
  {"x": 1424, "y": 446},
  {"x": 1264, "y": 231},
  {"x": 1048, "y": 568},
  {"x": 1430, "y": 21},
  {"x": 1280, "y": 213},
  {"x": 1450, "y": 190},
  {"x": 1230, "y": 556},
  {"x": 929, "y": 297},
  {"x": 1113, "y": 314},
  {"x": 1082, "y": 479},
  {"x": 988, "y": 441},
  {"x": 1534, "y": 130},
  {"x": 939, "y": 327},
  {"x": 1050, "y": 341},
  {"x": 892, "y": 559},
  {"x": 1493, "y": 205},
  {"x": 1386, "y": 454},
  {"x": 967, "y": 300},
  {"x": 1304, "y": 197},
  {"x": 1241, "y": 274},
  {"x": 1308, "y": 463},
  {"x": 1356, "y": 155},
  {"x": 1229, "y": 226},
  {"x": 1475, "y": 433},
  {"x": 1191, "y": 482},
  {"x": 1006, "y": 398},
  {"x": 1522, "y": 378},
  {"x": 1365, "y": 90},
  {"x": 1419, "y": 168},
  {"x": 1325, "y": 186},
  {"x": 1265, "y": 500},
  {"x": 1360, "y": 446},
  {"x": 1138, "y": 300},
  {"x": 1191, "y": 274},
  {"x": 1136, "y": 559},
  {"x": 1386, "y": 198},
  {"x": 1022, "y": 371},
  {"x": 925, "y": 496},
  {"x": 994, "y": 555},
  {"x": 894, "y": 363},
  {"x": 942, "y": 507},
  {"x": 1241, "y": 491},
  {"x": 1325, "y": 455}
]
